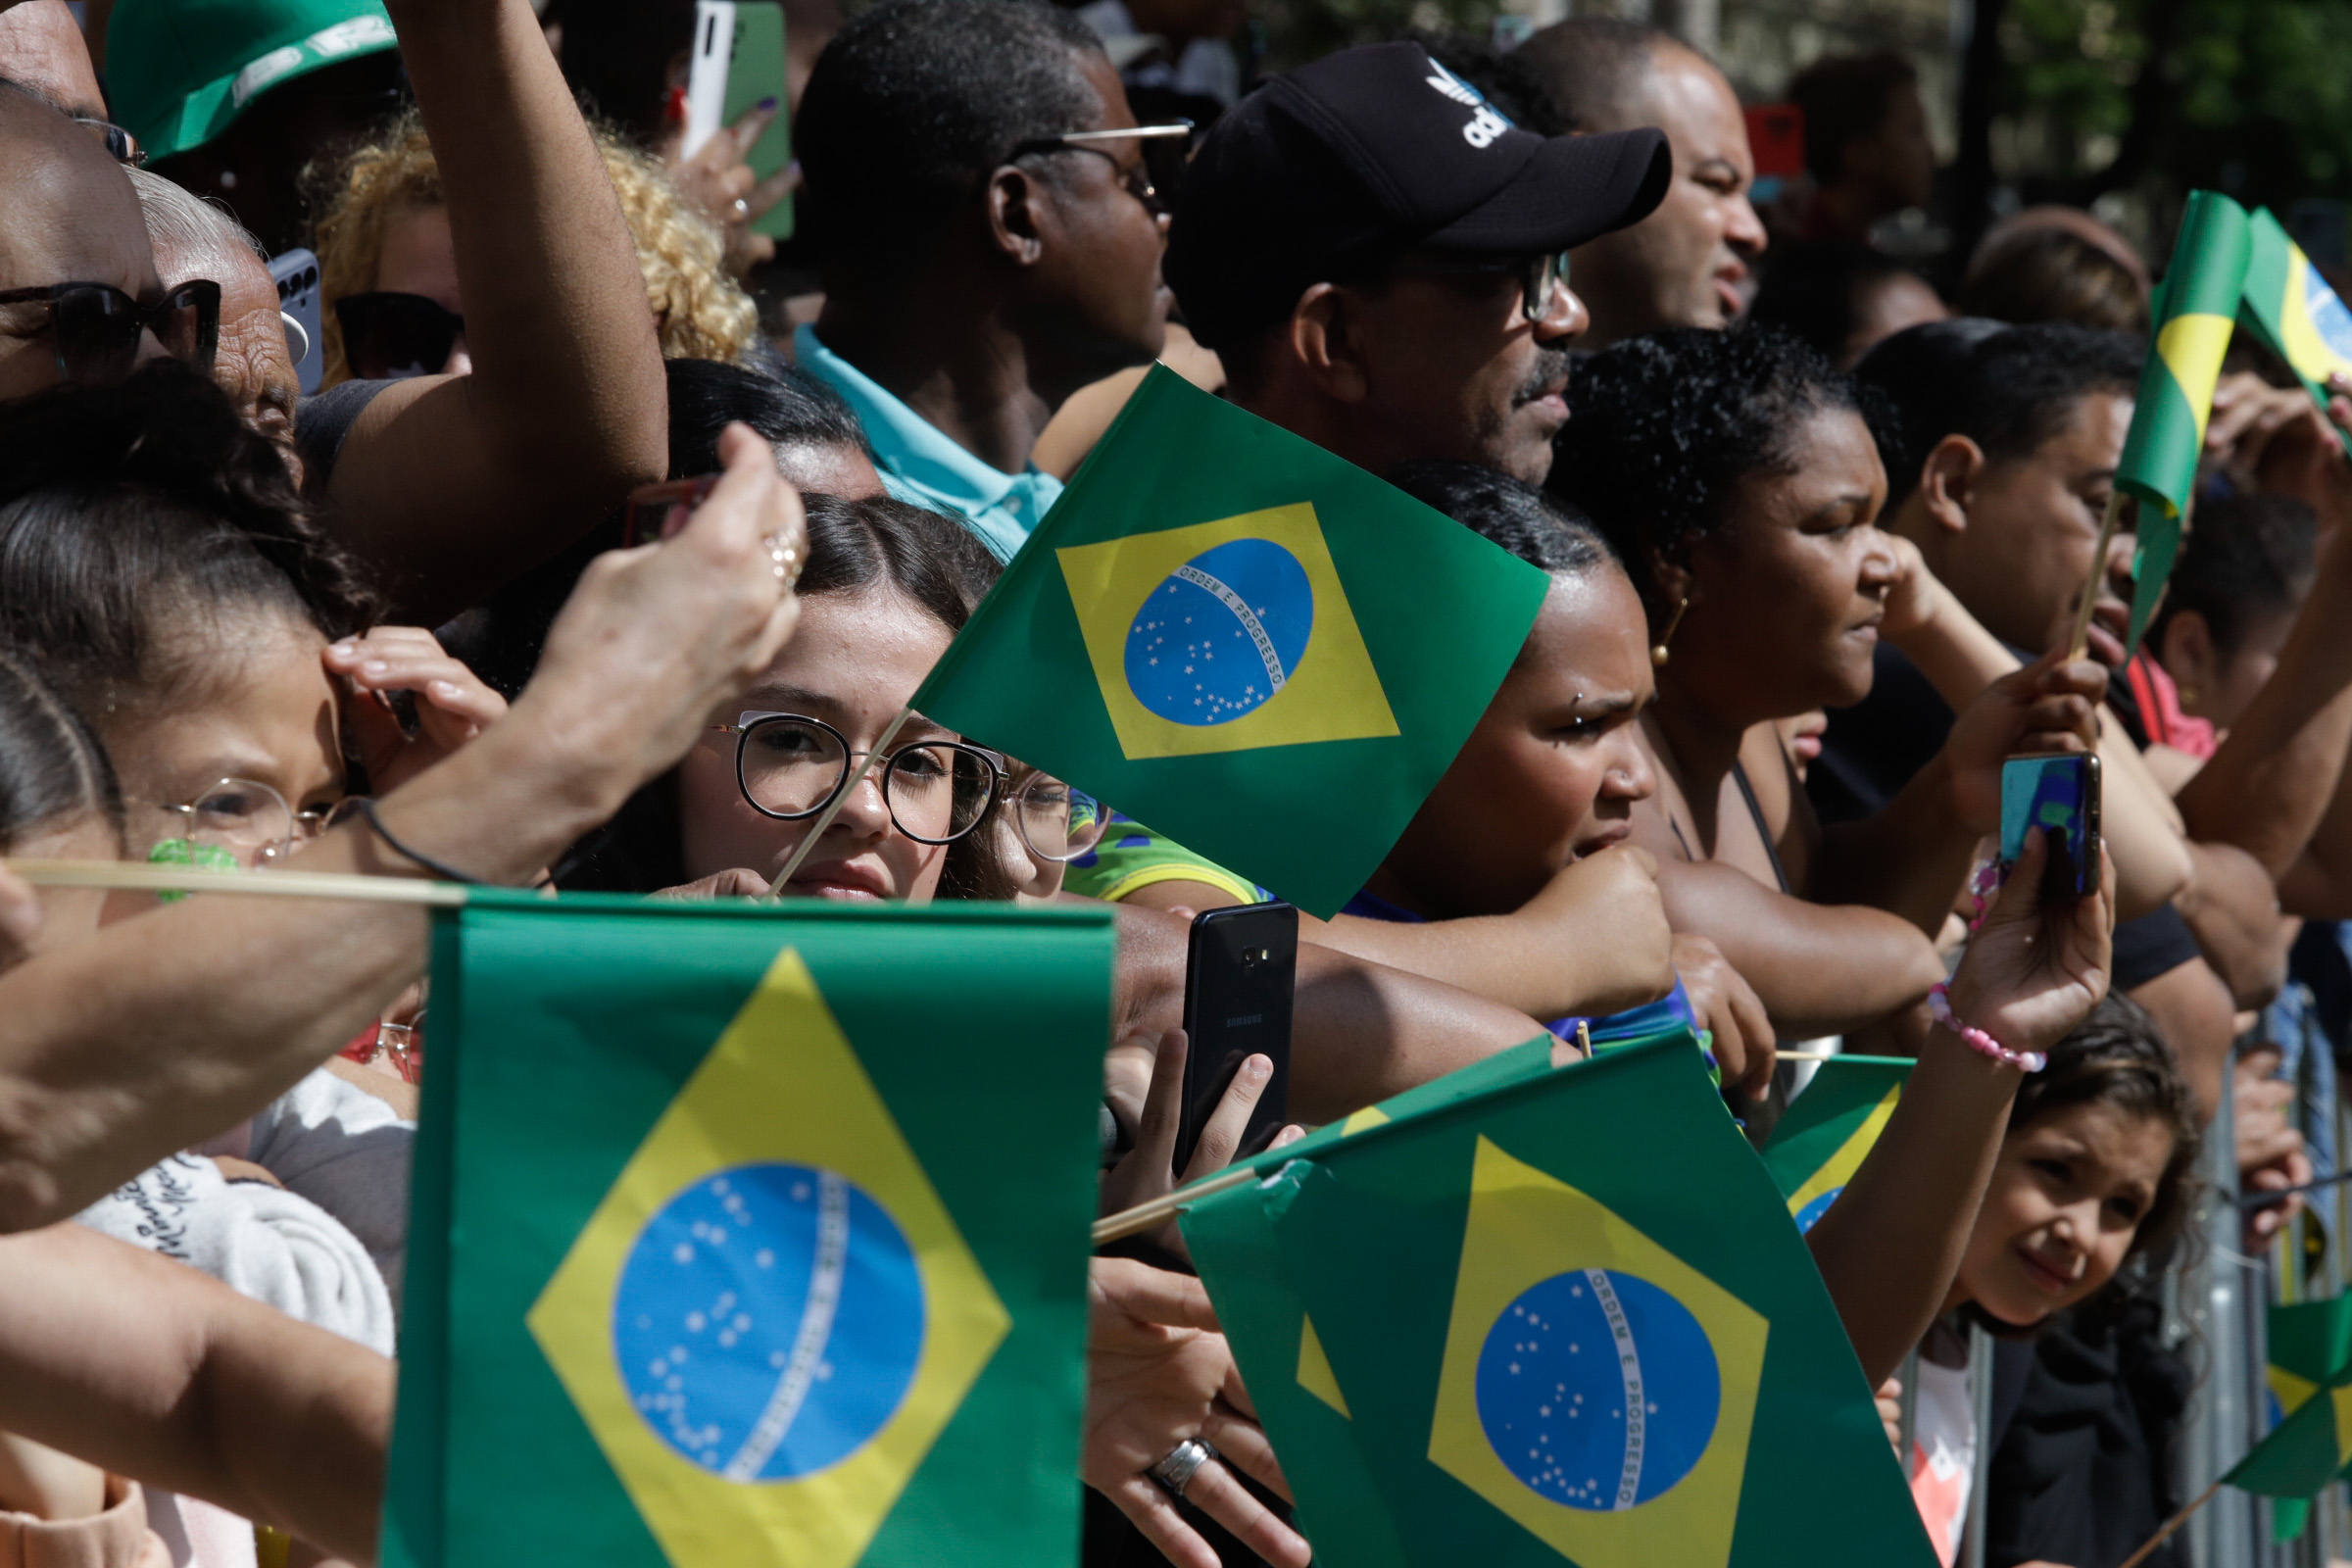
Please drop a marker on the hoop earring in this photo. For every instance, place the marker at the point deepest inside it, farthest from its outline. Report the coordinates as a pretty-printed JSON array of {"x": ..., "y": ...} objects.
[{"x": 1659, "y": 653}]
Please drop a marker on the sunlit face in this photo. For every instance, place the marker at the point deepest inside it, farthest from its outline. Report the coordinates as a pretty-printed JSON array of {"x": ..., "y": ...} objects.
[
  {"x": 418, "y": 258},
  {"x": 2068, "y": 1197},
  {"x": 1787, "y": 597},
  {"x": 1685, "y": 264},
  {"x": 2032, "y": 526},
  {"x": 1099, "y": 297},
  {"x": 1551, "y": 772},
  {"x": 856, "y": 658},
  {"x": 252, "y": 365},
  {"x": 266, "y": 710}
]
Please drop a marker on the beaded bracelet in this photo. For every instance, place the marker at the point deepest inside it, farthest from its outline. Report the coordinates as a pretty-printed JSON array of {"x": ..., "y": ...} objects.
[{"x": 1940, "y": 1007}]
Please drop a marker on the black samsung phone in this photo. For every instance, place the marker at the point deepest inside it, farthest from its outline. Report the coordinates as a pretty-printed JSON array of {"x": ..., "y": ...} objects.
[
  {"x": 1237, "y": 1004},
  {"x": 2058, "y": 793}
]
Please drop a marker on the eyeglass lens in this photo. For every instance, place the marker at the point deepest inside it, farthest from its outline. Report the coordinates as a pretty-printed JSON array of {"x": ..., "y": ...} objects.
[
  {"x": 936, "y": 791},
  {"x": 1546, "y": 276},
  {"x": 237, "y": 821},
  {"x": 390, "y": 337},
  {"x": 1057, "y": 822},
  {"x": 98, "y": 329}
]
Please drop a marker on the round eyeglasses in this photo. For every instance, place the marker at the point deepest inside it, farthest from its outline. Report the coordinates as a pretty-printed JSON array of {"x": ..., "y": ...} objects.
[
  {"x": 790, "y": 767},
  {"x": 242, "y": 821}
]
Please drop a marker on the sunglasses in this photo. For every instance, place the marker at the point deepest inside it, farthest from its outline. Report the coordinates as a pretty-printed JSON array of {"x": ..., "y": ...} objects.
[
  {"x": 120, "y": 145},
  {"x": 1153, "y": 181},
  {"x": 1540, "y": 278},
  {"x": 96, "y": 326},
  {"x": 390, "y": 337}
]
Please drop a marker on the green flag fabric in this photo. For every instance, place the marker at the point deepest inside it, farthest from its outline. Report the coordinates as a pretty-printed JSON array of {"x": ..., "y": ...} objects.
[
  {"x": 745, "y": 1236},
  {"x": 1560, "y": 1318},
  {"x": 2304, "y": 1451},
  {"x": 1260, "y": 649},
  {"x": 2310, "y": 1348},
  {"x": 2198, "y": 311},
  {"x": 1820, "y": 1141},
  {"x": 2289, "y": 306}
]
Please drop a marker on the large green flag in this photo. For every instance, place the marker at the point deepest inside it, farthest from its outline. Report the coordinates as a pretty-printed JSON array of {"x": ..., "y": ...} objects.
[
  {"x": 746, "y": 1237},
  {"x": 2290, "y": 307},
  {"x": 1562, "y": 1318},
  {"x": 1260, "y": 649},
  {"x": 1820, "y": 1141},
  {"x": 2196, "y": 313}
]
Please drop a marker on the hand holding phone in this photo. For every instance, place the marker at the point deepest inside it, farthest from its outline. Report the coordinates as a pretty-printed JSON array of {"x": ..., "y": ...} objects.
[
  {"x": 1238, "y": 990},
  {"x": 2058, "y": 793}
]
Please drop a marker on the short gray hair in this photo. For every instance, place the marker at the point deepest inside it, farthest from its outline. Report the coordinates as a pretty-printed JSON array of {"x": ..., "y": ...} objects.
[{"x": 186, "y": 222}]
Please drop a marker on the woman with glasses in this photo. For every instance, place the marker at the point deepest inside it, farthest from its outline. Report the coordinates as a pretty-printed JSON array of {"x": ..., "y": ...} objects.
[{"x": 886, "y": 588}]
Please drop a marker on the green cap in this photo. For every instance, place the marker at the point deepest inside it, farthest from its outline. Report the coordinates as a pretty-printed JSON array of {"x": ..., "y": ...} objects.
[{"x": 179, "y": 71}]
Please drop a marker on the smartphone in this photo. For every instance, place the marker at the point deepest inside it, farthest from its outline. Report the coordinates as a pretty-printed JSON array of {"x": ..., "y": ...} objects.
[
  {"x": 296, "y": 274},
  {"x": 2058, "y": 793},
  {"x": 658, "y": 510},
  {"x": 1238, "y": 982},
  {"x": 738, "y": 62}
]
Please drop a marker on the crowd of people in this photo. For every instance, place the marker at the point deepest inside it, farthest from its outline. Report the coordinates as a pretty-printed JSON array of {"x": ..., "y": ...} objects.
[{"x": 1814, "y": 539}]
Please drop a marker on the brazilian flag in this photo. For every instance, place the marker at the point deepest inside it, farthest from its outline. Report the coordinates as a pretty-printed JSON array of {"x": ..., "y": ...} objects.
[
  {"x": 1821, "y": 1139},
  {"x": 1561, "y": 1319},
  {"x": 2310, "y": 1349},
  {"x": 746, "y": 1237},
  {"x": 2292, "y": 308},
  {"x": 2196, "y": 316},
  {"x": 1261, "y": 650}
]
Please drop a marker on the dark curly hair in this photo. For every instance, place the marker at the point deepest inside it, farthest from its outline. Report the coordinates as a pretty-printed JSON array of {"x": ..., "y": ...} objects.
[
  {"x": 1665, "y": 426},
  {"x": 51, "y": 769},
  {"x": 130, "y": 516}
]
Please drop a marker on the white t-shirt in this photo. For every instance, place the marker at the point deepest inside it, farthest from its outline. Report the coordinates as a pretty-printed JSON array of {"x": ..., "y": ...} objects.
[{"x": 1944, "y": 1454}]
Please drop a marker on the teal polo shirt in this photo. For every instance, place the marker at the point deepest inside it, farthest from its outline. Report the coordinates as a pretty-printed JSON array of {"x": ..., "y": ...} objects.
[{"x": 920, "y": 463}]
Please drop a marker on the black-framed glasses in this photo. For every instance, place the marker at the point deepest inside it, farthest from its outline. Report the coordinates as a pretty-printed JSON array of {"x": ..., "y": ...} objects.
[
  {"x": 790, "y": 767},
  {"x": 1152, "y": 181},
  {"x": 391, "y": 337},
  {"x": 121, "y": 145},
  {"x": 95, "y": 327},
  {"x": 1540, "y": 278}
]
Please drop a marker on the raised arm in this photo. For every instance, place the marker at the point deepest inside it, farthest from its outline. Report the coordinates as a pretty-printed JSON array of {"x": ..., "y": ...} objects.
[
  {"x": 156, "y": 1032},
  {"x": 156, "y": 1371},
  {"x": 453, "y": 485}
]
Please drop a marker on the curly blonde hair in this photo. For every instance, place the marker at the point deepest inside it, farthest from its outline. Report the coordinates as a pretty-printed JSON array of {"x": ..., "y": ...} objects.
[{"x": 701, "y": 311}]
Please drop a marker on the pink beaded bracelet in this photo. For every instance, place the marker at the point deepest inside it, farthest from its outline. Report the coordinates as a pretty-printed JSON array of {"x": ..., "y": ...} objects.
[{"x": 1940, "y": 1007}]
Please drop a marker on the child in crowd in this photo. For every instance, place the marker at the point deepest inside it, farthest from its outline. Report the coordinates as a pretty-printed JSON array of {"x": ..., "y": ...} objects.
[{"x": 2097, "y": 1170}]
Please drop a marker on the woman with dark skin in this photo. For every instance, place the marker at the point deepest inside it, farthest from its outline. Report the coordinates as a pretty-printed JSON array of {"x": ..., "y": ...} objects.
[{"x": 1738, "y": 474}]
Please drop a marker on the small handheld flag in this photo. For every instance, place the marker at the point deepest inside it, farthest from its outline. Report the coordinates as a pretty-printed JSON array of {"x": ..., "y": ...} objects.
[
  {"x": 699, "y": 1272},
  {"x": 2292, "y": 308},
  {"x": 1510, "y": 1328},
  {"x": 2310, "y": 1348},
  {"x": 2202, "y": 290},
  {"x": 1821, "y": 1140},
  {"x": 1261, "y": 650}
]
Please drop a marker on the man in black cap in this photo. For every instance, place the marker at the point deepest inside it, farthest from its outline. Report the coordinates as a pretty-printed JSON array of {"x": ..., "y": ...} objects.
[{"x": 1377, "y": 253}]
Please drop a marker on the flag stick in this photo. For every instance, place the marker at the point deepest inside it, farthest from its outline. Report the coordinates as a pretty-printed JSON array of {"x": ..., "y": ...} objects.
[
  {"x": 2262, "y": 1200},
  {"x": 1146, "y": 1216},
  {"x": 824, "y": 818},
  {"x": 264, "y": 884},
  {"x": 2170, "y": 1525},
  {"x": 2080, "y": 640}
]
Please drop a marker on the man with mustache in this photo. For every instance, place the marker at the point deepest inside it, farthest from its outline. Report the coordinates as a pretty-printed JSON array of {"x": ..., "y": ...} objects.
[{"x": 1377, "y": 254}]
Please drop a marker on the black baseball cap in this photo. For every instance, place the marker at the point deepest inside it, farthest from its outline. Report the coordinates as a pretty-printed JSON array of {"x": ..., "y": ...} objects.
[{"x": 1341, "y": 167}]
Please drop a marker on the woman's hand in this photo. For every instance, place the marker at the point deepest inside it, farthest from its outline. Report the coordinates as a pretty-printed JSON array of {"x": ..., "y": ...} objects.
[
  {"x": 1148, "y": 1170},
  {"x": 1890, "y": 1413},
  {"x": 718, "y": 182},
  {"x": 1606, "y": 910},
  {"x": 1158, "y": 1373},
  {"x": 735, "y": 884},
  {"x": 1727, "y": 1006},
  {"x": 1917, "y": 596},
  {"x": 2046, "y": 706},
  {"x": 453, "y": 704},
  {"x": 2033, "y": 971}
]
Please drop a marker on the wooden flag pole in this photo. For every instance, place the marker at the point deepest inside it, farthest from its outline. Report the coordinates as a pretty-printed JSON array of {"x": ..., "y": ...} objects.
[
  {"x": 824, "y": 818},
  {"x": 2170, "y": 1525},
  {"x": 1163, "y": 1208},
  {"x": 263, "y": 884},
  {"x": 2080, "y": 640}
]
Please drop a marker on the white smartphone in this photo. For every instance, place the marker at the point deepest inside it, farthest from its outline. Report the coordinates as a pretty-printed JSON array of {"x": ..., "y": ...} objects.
[{"x": 707, "y": 71}]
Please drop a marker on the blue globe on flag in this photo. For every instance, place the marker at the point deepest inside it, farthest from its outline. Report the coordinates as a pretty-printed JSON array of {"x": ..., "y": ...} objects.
[
  {"x": 1598, "y": 1389},
  {"x": 768, "y": 1321},
  {"x": 1221, "y": 634},
  {"x": 2328, "y": 318},
  {"x": 1810, "y": 1215}
]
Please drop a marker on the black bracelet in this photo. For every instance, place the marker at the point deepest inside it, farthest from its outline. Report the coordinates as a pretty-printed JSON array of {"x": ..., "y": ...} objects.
[{"x": 440, "y": 868}]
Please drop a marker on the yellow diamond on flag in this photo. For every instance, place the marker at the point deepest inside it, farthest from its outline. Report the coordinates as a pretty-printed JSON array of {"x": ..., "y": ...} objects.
[
  {"x": 1596, "y": 1388},
  {"x": 1810, "y": 1202},
  {"x": 770, "y": 1318},
  {"x": 1314, "y": 1369},
  {"x": 1225, "y": 636}
]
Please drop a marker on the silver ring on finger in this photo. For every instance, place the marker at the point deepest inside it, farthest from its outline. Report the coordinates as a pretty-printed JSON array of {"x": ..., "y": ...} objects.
[
  {"x": 743, "y": 209},
  {"x": 1175, "y": 1470},
  {"x": 785, "y": 557}
]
